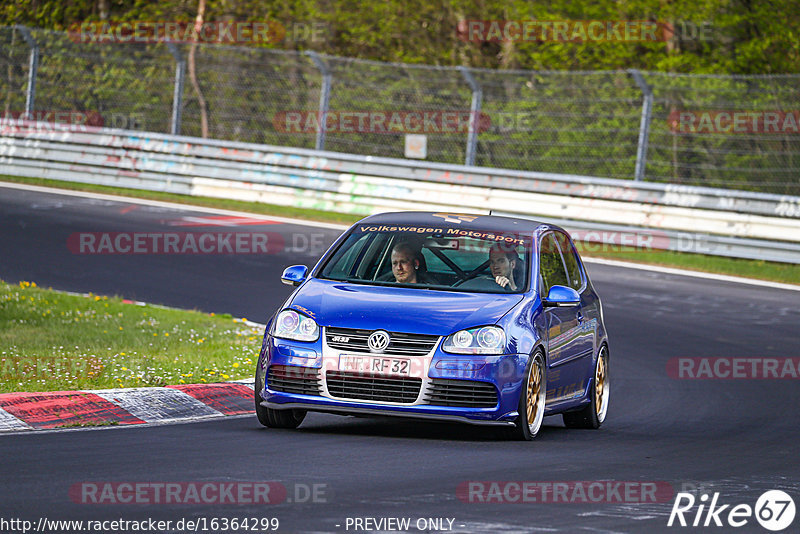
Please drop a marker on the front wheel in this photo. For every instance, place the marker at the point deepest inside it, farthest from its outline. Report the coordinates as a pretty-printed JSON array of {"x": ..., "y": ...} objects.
[
  {"x": 532, "y": 399},
  {"x": 274, "y": 418},
  {"x": 594, "y": 413}
]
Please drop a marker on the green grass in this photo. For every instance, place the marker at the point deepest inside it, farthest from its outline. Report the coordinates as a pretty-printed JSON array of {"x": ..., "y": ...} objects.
[
  {"x": 52, "y": 341},
  {"x": 788, "y": 273},
  {"x": 777, "y": 272},
  {"x": 89, "y": 424}
]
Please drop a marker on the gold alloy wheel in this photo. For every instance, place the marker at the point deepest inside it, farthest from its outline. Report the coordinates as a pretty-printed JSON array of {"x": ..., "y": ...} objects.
[
  {"x": 534, "y": 388},
  {"x": 600, "y": 384}
]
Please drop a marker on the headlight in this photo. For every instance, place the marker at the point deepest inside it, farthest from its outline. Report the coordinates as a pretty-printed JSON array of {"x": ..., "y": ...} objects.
[
  {"x": 481, "y": 340},
  {"x": 292, "y": 325}
]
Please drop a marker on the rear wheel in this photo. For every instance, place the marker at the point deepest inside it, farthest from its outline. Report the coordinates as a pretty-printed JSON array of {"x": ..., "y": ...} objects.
[
  {"x": 594, "y": 413},
  {"x": 532, "y": 399},
  {"x": 274, "y": 418}
]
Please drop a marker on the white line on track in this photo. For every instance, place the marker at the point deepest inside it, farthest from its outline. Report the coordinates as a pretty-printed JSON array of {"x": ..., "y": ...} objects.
[
  {"x": 173, "y": 205},
  {"x": 315, "y": 224}
]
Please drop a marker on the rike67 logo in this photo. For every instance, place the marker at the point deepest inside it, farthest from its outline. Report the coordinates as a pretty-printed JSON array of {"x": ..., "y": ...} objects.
[{"x": 774, "y": 510}]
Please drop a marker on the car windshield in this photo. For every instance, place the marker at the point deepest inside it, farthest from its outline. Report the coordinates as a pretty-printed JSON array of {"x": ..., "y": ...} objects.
[{"x": 470, "y": 260}]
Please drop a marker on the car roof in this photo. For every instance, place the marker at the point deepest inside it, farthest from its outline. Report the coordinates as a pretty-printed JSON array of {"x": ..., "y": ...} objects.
[{"x": 466, "y": 221}]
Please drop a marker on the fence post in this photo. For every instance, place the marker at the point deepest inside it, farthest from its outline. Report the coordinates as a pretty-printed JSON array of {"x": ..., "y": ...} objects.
[
  {"x": 33, "y": 67},
  {"x": 644, "y": 125},
  {"x": 324, "y": 97},
  {"x": 177, "y": 93},
  {"x": 474, "y": 119}
]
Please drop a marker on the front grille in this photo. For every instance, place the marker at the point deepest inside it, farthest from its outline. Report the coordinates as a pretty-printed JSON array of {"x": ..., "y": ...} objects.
[
  {"x": 293, "y": 379},
  {"x": 399, "y": 389},
  {"x": 461, "y": 393},
  {"x": 353, "y": 339}
]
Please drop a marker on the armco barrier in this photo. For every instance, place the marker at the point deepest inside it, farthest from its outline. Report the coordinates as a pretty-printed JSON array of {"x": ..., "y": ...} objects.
[{"x": 731, "y": 223}]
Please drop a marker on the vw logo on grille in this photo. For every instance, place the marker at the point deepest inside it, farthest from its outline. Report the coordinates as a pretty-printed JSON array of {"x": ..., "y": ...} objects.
[{"x": 378, "y": 341}]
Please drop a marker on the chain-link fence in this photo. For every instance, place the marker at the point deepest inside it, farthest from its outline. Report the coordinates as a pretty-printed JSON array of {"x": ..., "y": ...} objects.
[
  {"x": 763, "y": 156},
  {"x": 722, "y": 131}
]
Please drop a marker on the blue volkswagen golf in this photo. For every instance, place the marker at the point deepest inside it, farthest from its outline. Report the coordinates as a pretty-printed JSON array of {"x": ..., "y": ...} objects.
[{"x": 479, "y": 319}]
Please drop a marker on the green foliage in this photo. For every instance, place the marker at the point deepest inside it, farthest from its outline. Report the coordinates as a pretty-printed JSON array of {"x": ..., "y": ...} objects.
[{"x": 743, "y": 36}]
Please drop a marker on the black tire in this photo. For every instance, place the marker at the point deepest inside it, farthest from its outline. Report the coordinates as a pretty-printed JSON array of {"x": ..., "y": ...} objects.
[
  {"x": 284, "y": 418},
  {"x": 594, "y": 413},
  {"x": 532, "y": 398},
  {"x": 258, "y": 385},
  {"x": 274, "y": 418}
]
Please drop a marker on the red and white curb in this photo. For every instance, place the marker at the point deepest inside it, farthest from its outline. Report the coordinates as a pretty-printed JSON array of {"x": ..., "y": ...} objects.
[{"x": 124, "y": 406}]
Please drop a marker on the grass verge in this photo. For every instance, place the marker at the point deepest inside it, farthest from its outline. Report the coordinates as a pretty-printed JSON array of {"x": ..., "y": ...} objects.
[
  {"x": 89, "y": 424},
  {"x": 787, "y": 273},
  {"x": 52, "y": 341},
  {"x": 759, "y": 269}
]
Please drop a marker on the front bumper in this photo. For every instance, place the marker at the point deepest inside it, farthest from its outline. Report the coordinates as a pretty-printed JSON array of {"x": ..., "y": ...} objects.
[
  {"x": 343, "y": 409},
  {"x": 504, "y": 373}
]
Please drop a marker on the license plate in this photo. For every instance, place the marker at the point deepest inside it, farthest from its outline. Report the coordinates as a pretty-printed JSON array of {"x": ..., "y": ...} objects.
[{"x": 382, "y": 365}]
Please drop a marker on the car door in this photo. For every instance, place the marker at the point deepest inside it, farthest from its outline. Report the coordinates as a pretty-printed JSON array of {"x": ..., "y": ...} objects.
[
  {"x": 584, "y": 342},
  {"x": 564, "y": 326}
]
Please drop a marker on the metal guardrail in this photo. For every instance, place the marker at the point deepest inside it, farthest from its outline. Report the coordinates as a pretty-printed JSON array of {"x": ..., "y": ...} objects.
[{"x": 731, "y": 223}]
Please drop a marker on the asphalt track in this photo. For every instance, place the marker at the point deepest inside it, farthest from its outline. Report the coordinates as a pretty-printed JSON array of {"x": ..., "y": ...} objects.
[{"x": 736, "y": 437}]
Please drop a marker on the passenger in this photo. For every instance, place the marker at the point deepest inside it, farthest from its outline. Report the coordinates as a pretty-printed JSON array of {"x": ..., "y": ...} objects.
[{"x": 502, "y": 262}]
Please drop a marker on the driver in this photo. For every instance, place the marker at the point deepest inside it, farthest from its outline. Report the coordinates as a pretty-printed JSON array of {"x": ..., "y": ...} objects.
[
  {"x": 502, "y": 262},
  {"x": 405, "y": 263}
]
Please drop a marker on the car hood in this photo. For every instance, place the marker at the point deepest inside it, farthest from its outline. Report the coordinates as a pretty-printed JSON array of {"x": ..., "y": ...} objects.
[{"x": 396, "y": 309}]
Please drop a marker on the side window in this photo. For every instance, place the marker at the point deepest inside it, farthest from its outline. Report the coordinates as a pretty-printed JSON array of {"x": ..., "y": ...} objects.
[
  {"x": 573, "y": 270},
  {"x": 374, "y": 253},
  {"x": 551, "y": 268},
  {"x": 342, "y": 265}
]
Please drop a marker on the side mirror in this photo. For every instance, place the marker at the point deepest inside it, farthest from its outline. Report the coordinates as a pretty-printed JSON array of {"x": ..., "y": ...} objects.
[
  {"x": 562, "y": 296},
  {"x": 294, "y": 275}
]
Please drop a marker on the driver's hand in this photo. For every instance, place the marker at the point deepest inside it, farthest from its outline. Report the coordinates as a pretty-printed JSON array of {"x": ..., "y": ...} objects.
[{"x": 505, "y": 283}]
